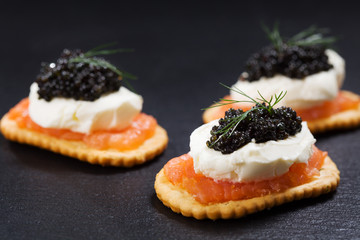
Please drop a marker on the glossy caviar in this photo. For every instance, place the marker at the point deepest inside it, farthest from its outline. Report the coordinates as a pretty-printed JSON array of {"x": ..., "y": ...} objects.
[
  {"x": 292, "y": 61},
  {"x": 259, "y": 124},
  {"x": 77, "y": 80}
]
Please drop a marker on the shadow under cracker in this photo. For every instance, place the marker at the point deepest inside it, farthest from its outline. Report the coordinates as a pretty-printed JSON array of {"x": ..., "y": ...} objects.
[
  {"x": 250, "y": 221},
  {"x": 48, "y": 161}
]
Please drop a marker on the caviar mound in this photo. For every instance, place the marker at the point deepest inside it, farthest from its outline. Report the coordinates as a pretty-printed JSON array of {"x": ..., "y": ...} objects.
[
  {"x": 77, "y": 80},
  {"x": 294, "y": 62},
  {"x": 258, "y": 123}
]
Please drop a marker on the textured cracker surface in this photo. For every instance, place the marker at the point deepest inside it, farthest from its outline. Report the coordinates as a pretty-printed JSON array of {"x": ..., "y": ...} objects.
[
  {"x": 77, "y": 149},
  {"x": 342, "y": 120},
  {"x": 182, "y": 202}
]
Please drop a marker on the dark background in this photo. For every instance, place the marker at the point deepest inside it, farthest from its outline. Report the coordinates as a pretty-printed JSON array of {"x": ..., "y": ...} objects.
[{"x": 182, "y": 51}]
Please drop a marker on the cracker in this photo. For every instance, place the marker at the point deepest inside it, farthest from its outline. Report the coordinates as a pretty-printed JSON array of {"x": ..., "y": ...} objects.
[
  {"x": 77, "y": 149},
  {"x": 182, "y": 202},
  {"x": 342, "y": 120}
]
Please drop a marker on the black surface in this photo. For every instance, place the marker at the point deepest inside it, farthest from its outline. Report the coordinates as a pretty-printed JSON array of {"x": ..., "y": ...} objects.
[{"x": 182, "y": 52}]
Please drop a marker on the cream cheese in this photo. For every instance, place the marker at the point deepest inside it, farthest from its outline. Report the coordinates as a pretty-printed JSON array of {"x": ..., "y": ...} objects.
[
  {"x": 254, "y": 161},
  {"x": 113, "y": 110},
  {"x": 304, "y": 93}
]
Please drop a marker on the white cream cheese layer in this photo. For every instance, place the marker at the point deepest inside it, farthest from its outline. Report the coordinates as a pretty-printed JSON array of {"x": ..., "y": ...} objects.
[
  {"x": 254, "y": 161},
  {"x": 304, "y": 93},
  {"x": 113, "y": 110}
]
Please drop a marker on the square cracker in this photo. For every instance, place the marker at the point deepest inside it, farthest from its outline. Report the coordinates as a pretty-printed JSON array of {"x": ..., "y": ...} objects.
[{"x": 77, "y": 149}]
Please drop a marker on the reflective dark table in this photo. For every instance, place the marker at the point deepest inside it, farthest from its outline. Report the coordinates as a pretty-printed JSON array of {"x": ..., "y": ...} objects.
[{"x": 182, "y": 52}]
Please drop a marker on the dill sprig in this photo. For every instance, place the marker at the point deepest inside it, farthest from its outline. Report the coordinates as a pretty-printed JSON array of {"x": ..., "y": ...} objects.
[
  {"x": 90, "y": 57},
  {"x": 274, "y": 36},
  {"x": 99, "y": 50},
  {"x": 269, "y": 107},
  {"x": 308, "y": 37},
  {"x": 232, "y": 125}
]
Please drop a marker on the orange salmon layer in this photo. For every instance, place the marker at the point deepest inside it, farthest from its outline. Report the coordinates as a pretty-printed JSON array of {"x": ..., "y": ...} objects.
[
  {"x": 326, "y": 109},
  {"x": 180, "y": 172},
  {"x": 142, "y": 128}
]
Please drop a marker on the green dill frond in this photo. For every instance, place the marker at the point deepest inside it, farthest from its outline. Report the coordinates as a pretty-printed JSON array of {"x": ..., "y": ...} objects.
[
  {"x": 90, "y": 57},
  {"x": 308, "y": 37},
  {"x": 274, "y": 35},
  {"x": 266, "y": 104}
]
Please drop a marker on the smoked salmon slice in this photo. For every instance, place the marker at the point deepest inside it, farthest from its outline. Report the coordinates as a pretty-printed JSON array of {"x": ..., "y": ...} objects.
[
  {"x": 180, "y": 172},
  {"x": 326, "y": 109},
  {"x": 142, "y": 128}
]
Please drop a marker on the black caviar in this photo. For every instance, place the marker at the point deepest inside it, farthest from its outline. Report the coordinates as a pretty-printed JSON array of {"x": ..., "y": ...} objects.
[
  {"x": 292, "y": 61},
  {"x": 259, "y": 124},
  {"x": 77, "y": 80}
]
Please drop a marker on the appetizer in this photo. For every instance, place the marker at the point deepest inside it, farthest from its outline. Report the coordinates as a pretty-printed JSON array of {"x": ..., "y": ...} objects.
[
  {"x": 312, "y": 75},
  {"x": 246, "y": 162},
  {"x": 78, "y": 107}
]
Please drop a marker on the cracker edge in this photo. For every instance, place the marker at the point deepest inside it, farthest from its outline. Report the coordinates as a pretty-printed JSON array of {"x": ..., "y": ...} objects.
[
  {"x": 342, "y": 120},
  {"x": 77, "y": 149},
  {"x": 182, "y": 202}
]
